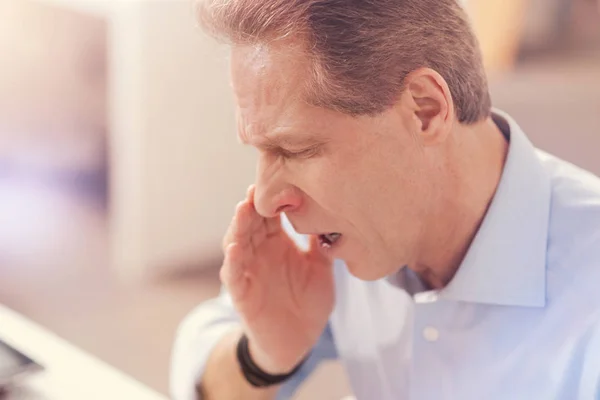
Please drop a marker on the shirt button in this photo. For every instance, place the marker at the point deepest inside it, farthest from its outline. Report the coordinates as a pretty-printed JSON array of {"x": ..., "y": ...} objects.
[
  {"x": 426, "y": 297},
  {"x": 431, "y": 334}
]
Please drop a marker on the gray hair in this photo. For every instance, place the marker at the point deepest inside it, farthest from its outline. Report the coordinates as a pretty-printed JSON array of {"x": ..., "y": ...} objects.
[{"x": 362, "y": 50}]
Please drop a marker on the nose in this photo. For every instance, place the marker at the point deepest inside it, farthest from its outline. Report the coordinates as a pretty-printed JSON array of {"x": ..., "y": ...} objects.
[
  {"x": 274, "y": 193},
  {"x": 271, "y": 201}
]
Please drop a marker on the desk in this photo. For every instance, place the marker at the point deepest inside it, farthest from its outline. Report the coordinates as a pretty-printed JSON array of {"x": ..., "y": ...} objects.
[{"x": 70, "y": 374}]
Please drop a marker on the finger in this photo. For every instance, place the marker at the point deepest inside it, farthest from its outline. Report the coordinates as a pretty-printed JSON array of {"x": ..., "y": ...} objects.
[
  {"x": 250, "y": 193},
  {"x": 234, "y": 264},
  {"x": 267, "y": 228},
  {"x": 273, "y": 225},
  {"x": 228, "y": 237},
  {"x": 244, "y": 222},
  {"x": 233, "y": 272},
  {"x": 248, "y": 224}
]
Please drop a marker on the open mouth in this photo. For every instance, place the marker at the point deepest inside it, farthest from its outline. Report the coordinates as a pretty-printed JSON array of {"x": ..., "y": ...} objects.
[{"x": 328, "y": 240}]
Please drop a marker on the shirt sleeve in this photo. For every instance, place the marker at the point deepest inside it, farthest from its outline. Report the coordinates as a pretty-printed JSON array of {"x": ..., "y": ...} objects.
[
  {"x": 196, "y": 336},
  {"x": 324, "y": 350},
  {"x": 200, "y": 332}
]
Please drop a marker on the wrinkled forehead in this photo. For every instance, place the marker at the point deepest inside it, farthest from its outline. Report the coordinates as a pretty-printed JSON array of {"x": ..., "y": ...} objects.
[
  {"x": 268, "y": 76},
  {"x": 270, "y": 85}
]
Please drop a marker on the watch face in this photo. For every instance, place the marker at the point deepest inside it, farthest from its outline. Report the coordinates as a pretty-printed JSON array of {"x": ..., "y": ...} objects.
[{"x": 14, "y": 365}]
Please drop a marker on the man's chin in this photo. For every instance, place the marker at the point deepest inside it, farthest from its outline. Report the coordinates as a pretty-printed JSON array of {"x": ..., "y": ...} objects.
[{"x": 366, "y": 271}]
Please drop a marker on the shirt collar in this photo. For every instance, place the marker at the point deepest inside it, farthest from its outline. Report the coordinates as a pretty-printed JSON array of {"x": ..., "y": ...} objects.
[{"x": 506, "y": 263}]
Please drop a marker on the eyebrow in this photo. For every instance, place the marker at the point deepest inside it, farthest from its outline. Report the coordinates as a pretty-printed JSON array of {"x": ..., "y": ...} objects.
[
  {"x": 294, "y": 140},
  {"x": 285, "y": 138}
]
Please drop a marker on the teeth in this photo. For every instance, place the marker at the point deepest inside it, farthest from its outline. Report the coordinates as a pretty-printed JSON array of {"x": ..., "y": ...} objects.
[
  {"x": 333, "y": 237},
  {"x": 325, "y": 244},
  {"x": 327, "y": 240}
]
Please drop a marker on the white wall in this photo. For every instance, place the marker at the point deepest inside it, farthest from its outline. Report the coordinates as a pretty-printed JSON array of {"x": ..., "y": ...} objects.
[
  {"x": 178, "y": 170},
  {"x": 196, "y": 171},
  {"x": 52, "y": 87}
]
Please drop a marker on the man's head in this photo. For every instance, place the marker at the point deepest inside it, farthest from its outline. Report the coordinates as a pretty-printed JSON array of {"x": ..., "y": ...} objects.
[{"x": 351, "y": 104}]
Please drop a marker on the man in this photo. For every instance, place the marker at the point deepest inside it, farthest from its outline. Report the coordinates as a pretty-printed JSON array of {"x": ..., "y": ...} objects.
[{"x": 440, "y": 255}]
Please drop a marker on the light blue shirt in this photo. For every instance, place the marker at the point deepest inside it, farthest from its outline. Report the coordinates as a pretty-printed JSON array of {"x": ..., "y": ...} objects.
[{"x": 519, "y": 321}]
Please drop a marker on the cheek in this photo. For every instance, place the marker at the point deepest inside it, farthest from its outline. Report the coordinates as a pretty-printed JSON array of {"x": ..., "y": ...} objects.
[
  {"x": 360, "y": 185},
  {"x": 317, "y": 177},
  {"x": 381, "y": 185},
  {"x": 373, "y": 172},
  {"x": 325, "y": 182}
]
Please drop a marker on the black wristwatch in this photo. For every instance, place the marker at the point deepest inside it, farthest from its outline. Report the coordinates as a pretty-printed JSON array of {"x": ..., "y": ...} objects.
[{"x": 253, "y": 373}]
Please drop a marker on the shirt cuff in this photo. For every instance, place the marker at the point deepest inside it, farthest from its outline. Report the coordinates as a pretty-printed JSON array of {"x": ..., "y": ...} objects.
[{"x": 190, "y": 355}]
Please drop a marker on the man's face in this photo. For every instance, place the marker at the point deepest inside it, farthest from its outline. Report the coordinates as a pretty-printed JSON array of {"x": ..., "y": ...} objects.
[{"x": 362, "y": 177}]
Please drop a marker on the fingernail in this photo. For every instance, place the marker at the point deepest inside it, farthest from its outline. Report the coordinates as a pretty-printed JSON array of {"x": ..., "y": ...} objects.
[{"x": 229, "y": 247}]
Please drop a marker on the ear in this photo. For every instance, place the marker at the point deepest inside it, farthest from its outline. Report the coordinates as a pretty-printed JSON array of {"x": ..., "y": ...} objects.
[{"x": 432, "y": 105}]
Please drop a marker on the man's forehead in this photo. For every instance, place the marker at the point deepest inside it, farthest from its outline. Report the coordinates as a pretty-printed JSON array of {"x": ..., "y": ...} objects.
[
  {"x": 264, "y": 72},
  {"x": 262, "y": 55},
  {"x": 268, "y": 92},
  {"x": 252, "y": 59}
]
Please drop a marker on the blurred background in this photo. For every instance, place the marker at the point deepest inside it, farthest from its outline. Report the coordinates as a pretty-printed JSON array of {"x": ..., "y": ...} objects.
[{"x": 120, "y": 170}]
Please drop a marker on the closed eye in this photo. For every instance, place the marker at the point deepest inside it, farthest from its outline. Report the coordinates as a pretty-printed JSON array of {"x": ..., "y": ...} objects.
[{"x": 302, "y": 154}]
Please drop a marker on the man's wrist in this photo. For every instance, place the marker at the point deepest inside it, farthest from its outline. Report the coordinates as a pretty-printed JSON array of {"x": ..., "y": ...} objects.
[
  {"x": 264, "y": 363},
  {"x": 261, "y": 374}
]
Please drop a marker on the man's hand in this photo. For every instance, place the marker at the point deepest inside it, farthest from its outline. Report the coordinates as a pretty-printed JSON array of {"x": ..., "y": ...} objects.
[{"x": 283, "y": 294}]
